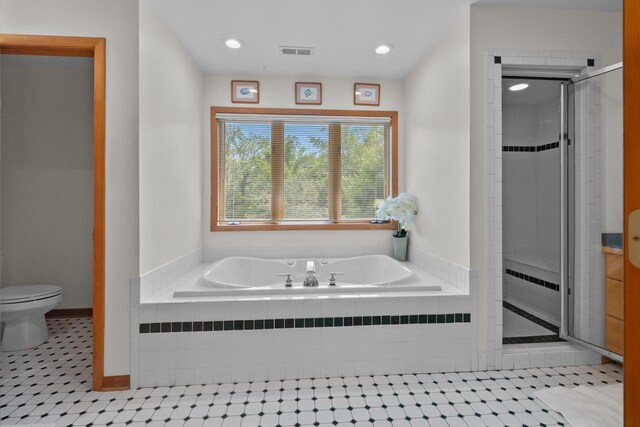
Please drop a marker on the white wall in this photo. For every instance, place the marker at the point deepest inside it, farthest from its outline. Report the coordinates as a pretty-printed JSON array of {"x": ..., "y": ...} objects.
[
  {"x": 170, "y": 145},
  {"x": 547, "y": 184},
  {"x": 278, "y": 92},
  {"x": 522, "y": 28},
  {"x": 117, "y": 21},
  {"x": 530, "y": 183},
  {"x": 47, "y": 174},
  {"x": 437, "y": 110},
  {"x": 612, "y": 152}
]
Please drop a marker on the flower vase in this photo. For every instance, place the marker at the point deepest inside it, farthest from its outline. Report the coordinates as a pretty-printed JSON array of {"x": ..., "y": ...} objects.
[{"x": 400, "y": 248}]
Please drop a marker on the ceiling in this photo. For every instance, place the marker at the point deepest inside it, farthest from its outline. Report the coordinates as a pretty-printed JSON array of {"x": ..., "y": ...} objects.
[
  {"x": 538, "y": 92},
  {"x": 344, "y": 33}
]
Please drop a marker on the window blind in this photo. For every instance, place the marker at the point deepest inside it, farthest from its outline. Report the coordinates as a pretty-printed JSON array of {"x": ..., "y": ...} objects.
[{"x": 301, "y": 169}]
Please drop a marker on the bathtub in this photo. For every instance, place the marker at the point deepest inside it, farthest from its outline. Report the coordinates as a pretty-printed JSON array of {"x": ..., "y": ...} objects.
[{"x": 251, "y": 277}]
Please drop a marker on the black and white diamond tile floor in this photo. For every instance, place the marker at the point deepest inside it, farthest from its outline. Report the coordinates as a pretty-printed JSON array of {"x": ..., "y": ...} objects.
[{"x": 50, "y": 385}]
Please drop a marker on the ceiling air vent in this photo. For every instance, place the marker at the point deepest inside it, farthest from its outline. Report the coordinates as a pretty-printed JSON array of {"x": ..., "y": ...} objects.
[{"x": 296, "y": 51}]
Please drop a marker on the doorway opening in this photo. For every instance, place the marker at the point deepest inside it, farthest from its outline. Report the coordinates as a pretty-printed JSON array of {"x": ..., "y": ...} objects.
[
  {"x": 531, "y": 209},
  {"x": 89, "y": 47}
]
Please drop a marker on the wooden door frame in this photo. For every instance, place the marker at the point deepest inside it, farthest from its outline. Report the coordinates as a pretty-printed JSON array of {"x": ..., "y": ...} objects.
[
  {"x": 92, "y": 47},
  {"x": 631, "y": 72}
]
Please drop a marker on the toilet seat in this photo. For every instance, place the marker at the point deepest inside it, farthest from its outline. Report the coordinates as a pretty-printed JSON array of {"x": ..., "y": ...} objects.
[{"x": 23, "y": 294}]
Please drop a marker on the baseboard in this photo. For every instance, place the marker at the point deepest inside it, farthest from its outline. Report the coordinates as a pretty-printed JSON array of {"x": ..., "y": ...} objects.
[
  {"x": 69, "y": 312},
  {"x": 115, "y": 383}
]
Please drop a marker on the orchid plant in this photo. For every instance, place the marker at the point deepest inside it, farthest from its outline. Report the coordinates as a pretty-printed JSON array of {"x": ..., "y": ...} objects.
[{"x": 402, "y": 209}]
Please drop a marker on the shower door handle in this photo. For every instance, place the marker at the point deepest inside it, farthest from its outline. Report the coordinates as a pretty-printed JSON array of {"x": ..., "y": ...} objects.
[{"x": 633, "y": 241}]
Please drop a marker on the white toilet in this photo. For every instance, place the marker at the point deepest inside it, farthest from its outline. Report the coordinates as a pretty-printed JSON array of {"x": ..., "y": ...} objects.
[{"x": 22, "y": 310}]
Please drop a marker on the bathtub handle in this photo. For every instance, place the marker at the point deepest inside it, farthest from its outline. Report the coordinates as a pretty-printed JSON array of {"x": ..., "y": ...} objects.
[
  {"x": 332, "y": 278},
  {"x": 287, "y": 282}
]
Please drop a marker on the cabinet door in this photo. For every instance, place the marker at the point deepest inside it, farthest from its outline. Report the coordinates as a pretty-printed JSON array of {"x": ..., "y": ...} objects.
[
  {"x": 614, "y": 305},
  {"x": 614, "y": 335}
]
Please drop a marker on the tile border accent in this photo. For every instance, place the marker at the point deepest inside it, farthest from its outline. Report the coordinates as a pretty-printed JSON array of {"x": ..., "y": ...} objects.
[
  {"x": 533, "y": 279},
  {"x": 531, "y": 148},
  {"x": 531, "y": 339},
  {"x": 302, "y": 323}
]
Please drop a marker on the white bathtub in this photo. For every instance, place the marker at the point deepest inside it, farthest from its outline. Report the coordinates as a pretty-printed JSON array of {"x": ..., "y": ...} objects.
[{"x": 246, "y": 276}]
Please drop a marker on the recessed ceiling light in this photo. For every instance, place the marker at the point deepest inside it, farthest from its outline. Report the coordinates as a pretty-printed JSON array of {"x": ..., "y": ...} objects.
[
  {"x": 383, "y": 48},
  {"x": 518, "y": 86},
  {"x": 232, "y": 43}
]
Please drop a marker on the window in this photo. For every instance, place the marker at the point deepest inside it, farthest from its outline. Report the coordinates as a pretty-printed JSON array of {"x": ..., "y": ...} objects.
[{"x": 300, "y": 169}]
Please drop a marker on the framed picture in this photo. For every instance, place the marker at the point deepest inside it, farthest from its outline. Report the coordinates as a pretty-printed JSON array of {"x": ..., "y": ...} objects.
[
  {"x": 308, "y": 93},
  {"x": 245, "y": 91},
  {"x": 366, "y": 94}
]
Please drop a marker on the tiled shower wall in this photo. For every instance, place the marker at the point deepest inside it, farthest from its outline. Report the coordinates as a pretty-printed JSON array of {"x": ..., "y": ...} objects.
[
  {"x": 495, "y": 60},
  {"x": 531, "y": 204},
  {"x": 535, "y": 290}
]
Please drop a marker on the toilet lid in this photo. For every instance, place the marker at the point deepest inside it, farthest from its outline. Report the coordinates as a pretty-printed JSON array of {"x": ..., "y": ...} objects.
[{"x": 14, "y": 294}]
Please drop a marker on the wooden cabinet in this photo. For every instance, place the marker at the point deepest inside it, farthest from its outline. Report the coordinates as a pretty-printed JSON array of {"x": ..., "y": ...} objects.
[{"x": 614, "y": 300}]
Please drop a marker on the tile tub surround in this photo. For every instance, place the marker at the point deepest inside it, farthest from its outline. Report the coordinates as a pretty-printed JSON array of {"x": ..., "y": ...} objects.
[
  {"x": 260, "y": 340},
  {"x": 453, "y": 274},
  {"x": 50, "y": 385},
  {"x": 230, "y": 338}
]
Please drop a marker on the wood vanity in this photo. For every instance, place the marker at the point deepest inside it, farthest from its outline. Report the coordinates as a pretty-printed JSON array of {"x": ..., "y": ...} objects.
[{"x": 614, "y": 299}]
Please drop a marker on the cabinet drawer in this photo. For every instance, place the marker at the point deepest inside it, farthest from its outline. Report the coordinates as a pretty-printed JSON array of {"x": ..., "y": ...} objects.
[
  {"x": 614, "y": 335},
  {"x": 614, "y": 299},
  {"x": 614, "y": 267}
]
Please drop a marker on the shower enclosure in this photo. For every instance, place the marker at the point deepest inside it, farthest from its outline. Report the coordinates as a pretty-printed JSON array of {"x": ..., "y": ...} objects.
[{"x": 562, "y": 207}]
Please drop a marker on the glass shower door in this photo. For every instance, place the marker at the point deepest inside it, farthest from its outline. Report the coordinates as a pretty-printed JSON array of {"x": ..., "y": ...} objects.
[{"x": 592, "y": 145}]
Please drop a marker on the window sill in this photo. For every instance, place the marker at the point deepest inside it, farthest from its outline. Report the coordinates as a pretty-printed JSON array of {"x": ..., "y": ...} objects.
[{"x": 304, "y": 226}]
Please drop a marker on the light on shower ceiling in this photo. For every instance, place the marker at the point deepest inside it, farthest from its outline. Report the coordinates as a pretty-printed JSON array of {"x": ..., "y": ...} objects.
[
  {"x": 383, "y": 49},
  {"x": 518, "y": 86},
  {"x": 232, "y": 43}
]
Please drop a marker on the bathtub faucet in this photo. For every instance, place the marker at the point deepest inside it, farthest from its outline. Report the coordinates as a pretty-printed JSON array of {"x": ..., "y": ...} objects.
[{"x": 311, "y": 280}]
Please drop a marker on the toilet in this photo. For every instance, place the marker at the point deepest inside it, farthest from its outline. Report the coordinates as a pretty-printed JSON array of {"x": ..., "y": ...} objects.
[{"x": 22, "y": 310}]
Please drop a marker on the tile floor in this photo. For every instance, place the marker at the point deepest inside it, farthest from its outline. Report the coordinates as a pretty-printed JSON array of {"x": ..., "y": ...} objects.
[
  {"x": 50, "y": 385},
  {"x": 515, "y": 325}
]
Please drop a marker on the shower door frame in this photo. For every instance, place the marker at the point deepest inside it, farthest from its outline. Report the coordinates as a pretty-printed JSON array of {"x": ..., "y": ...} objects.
[
  {"x": 567, "y": 231},
  {"x": 567, "y": 234}
]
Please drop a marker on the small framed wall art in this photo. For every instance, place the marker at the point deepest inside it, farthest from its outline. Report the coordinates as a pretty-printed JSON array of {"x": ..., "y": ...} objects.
[
  {"x": 245, "y": 91},
  {"x": 366, "y": 94},
  {"x": 309, "y": 93}
]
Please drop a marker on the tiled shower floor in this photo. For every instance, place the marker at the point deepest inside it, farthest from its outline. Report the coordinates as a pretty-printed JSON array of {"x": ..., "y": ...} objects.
[
  {"x": 518, "y": 326},
  {"x": 521, "y": 327},
  {"x": 50, "y": 385}
]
